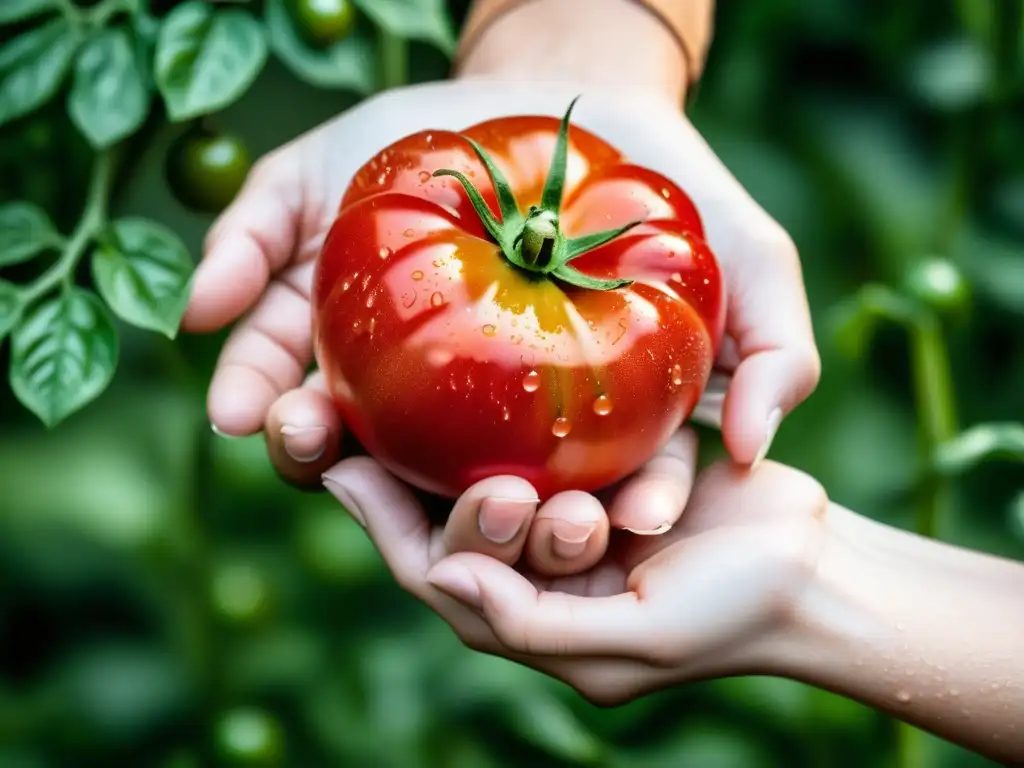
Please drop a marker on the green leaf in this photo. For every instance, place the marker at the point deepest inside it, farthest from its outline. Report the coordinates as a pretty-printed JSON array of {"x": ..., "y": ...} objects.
[
  {"x": 144, "y": 275},
  {"x": 349, "y": 64},
  {"x": 63, "y": 355},
  {"x": 581, "y": 245},
  {"x": 550, "y": 725},
  {"x": 425, "y": 20},
  {"x": 206, "y": 58},
  {"x": 979, "y": 444},
  {"x": 109, "y": 99},
  {"x": 10, "y": 308},
  {"x": 32, "y": 67},
  {"x": 25, "y": 230},
  {"x": 554, "y": 185},
  {"x": 22, "y": 10},
  {"x": 952, "y": 75}
]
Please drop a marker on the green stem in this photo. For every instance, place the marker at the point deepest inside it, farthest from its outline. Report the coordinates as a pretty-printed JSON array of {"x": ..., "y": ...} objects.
[
  {"x": 94, "y": 217},
  {"x": 394, "y": 60}
]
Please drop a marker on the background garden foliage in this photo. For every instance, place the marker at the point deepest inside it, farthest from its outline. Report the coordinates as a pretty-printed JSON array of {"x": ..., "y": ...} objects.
[{"x": 166, "y": 601}]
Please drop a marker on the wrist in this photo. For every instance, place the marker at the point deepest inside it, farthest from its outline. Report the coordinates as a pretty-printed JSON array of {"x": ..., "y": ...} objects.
[{"x": 532, "y": 42}]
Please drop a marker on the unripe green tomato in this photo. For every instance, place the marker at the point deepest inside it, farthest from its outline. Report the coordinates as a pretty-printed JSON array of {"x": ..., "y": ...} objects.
[
  {"x": 248, "y": 736},
  {"x": 940, "y": 285},
  {"x": 205, "y": 169},
  {"x": 324, "y": 22}
]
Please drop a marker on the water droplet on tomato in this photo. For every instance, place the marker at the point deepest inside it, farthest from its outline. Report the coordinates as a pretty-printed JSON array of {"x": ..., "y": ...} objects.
[
  {"x": 531, "y": 381},
  {"x": 666, "y": 193},
  {"x": 417, "y": 275},
  {"x": 677, "y": 277},
  {"x": 505, "y": 415},
  {"x": 424, "y": 176},
  {"x": 603, "y": 405},
  {"x": 490, "y": 330},
  {"x": 370, "y": 299},
  {"x": 357, "y": 326},
  {"x": 346, "y": 284},
  {"x": 384, "y": 252},
  {"x": 381, "y": 179},
  {"x": 436, "y": 299},
  {"x": 410, "y": 232},
  {"x": 677, "y": 374},
  {"x": 429, "y": 138},
  {"x": 561, "y": 427},
  {"x": 706, "y": 281}
]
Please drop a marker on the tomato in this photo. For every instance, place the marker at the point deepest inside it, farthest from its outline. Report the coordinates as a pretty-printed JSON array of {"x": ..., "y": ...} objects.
[
  {"x": 205, "y": 169},
  {"x": 458, "y": 340},
  {"x": 940, "y": 285},
  {"x": 324, "y": 22}
]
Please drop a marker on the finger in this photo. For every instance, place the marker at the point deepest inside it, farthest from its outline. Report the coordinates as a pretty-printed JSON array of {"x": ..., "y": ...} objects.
[
  {"x": 265, "y": 356},
  {"x": 779, "y": 363},
  {"x": 526, "y": 621},
  {"x": 493, "y": 518},
  {"x": 650, "y": 502},
  {"x": 254, "y": 237},
  {"x": 569, "y": 535},
  {"x": 303, "y": 433}
]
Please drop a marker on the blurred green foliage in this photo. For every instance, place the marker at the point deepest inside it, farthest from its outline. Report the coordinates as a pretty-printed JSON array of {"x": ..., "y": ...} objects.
[{"x": 166, "y": 601}]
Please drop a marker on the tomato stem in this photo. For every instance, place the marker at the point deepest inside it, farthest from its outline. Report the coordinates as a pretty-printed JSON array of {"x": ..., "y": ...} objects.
[{"x": 535, "y": 242}]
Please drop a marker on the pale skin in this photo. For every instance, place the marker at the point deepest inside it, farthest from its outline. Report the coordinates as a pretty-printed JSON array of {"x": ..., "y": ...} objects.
[{"x": 762, "y": 574}]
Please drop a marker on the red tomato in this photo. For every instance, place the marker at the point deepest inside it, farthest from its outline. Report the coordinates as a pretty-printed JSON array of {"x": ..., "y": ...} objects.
[{"x": 458, "y": 342}]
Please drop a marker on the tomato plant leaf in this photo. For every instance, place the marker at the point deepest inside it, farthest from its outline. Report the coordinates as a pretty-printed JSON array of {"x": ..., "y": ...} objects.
[
  {"x": 22, "y": 10},
  {"x": 63, "y": 355},
  {"x": 109, "y": 99},
  {"x": 425, "y": 20},
  {"x": 349, "y": 63},
  {"x": 33, "y": 66},
  {"x": 10, "y": 308},
  {"x": 206, "y": 59},
  {"x": 981, "y": 443},
  {"x": 144, "y": 275},
  {"x": 25, "y": 230}
]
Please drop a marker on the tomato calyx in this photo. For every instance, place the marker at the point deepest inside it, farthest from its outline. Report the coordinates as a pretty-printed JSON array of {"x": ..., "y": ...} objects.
[{"x": 534, "y": 242}]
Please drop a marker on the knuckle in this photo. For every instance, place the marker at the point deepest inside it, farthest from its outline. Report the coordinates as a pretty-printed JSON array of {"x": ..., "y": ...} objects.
[{"x": 782, "y": 245}]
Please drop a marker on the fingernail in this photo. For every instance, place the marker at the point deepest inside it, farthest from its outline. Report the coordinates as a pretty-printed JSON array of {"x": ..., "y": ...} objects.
[
  {"x": 339, "y": 492},
  {"x": 304, "y": 444},
  {"x": 501, "y": 520},
  {"x": 774, "y": 420},
  {"x": 455, "y": 580},
  {"x": 218, "y": 433},
  {"x": 570, "y": 539},
  {"x": 663, "y": 528}
]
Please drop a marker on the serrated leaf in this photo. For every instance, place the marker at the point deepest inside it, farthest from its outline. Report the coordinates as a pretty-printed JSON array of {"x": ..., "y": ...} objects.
[
  {"x": 109, "y": 99},
  {"x": 25, "y": 230},
  {"x": 10, "y": 308},
  {"x": 144, "y": 275},
  {"x": 22, "y": 10},
  {"x": 206, "y": 58},
  {"x": 426, "y": 20},
  {"x": 349, "y": 64},
  {"x": 32, "y": 67},
  {"x": 981, "y": 443},
  {"x": 63, "y": 355}
]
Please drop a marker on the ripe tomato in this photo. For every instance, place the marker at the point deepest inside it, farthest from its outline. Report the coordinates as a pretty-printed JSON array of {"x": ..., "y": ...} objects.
[{"x": 459, "y": 340}]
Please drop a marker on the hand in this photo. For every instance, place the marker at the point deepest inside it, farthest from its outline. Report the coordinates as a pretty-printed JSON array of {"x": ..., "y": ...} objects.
[
  {"x": 713, "y": 597},
  {"x": 260, "y": 257}
]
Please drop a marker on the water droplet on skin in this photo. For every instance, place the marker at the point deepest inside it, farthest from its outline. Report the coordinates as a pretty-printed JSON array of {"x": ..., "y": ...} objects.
[
  {"x": 346, "y": 284},
  {"x": 561, "y": 427},
  {"x": 425, "y": 176},
  {"x": 409, "y": 232},
  {"x": 505, "y": 415},
  {"x": 370, "y": 300},
  {"x": 531, "y": 381},
  {"x": 429, "y": 138},
  {"x": 357, "y": 327},
  {"x": 417, "y": 275},
  {"x": 677, "y": 375},
  {"x": 903, "y": 696},
  {"x": 436, "y": 299},
  {"x": 676, "y": 277},
  {"x": 381, "y": 179},
  {"x": 490, "y": 330},
  {"x": 384, "y": 252},
  {"x": 666, "y": 193},
  {"x": 603, "y": 405}
]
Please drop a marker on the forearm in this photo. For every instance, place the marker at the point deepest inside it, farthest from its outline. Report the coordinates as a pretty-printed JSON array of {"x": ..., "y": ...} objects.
[
  {"x": 612, "y": 43},
  {"x": 931, "y": 633}
]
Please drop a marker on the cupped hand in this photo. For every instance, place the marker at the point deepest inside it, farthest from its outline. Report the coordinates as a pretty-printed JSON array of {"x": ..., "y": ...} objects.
[
  {"x": 260, "y": 254},
  {"x": 713, "y": 597}
]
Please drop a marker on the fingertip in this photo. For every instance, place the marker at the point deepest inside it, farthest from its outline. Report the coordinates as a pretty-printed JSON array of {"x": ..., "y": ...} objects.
[
  {"x": 238, "y": 400},
  {"x": 493, "y": 517},
  {"x": 229, "y": 279},
  {"x": 569, "y": 535},
  {"x": 303, "y": 433}
]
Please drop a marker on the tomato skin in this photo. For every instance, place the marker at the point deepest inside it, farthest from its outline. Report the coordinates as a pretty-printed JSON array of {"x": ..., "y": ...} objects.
[{"x": 451, "y": 365}]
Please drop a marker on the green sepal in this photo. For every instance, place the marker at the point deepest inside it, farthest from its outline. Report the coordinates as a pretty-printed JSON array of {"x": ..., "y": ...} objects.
[
  {"x": 573, "y": 276},
  {"x": 554, "y": 185},
  {"x": 491, "y": 224},
  {"x": 581, "y": 245},
  {"x": 510, "y": 215}
]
